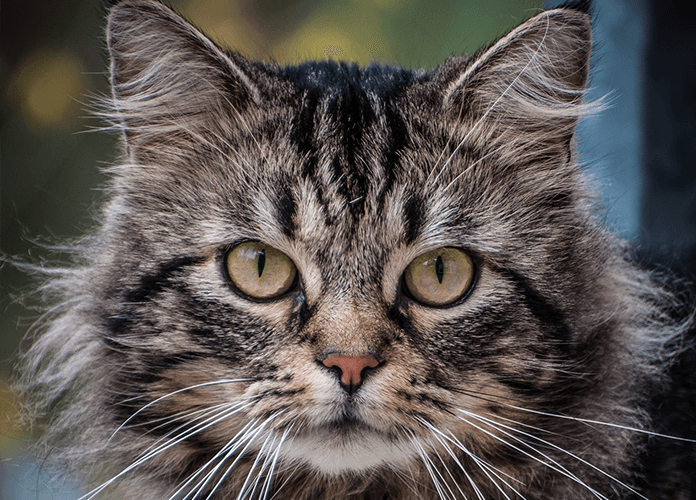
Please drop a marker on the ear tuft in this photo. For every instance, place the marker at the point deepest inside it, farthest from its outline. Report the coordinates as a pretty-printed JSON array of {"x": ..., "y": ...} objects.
[
  {"x": 536, "y": 74},
  {"x": 166, "y": 75}
]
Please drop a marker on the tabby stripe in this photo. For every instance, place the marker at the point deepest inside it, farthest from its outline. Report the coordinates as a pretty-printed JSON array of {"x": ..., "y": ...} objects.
[
  {"x": 397, "y": 141},
  {"x": 136, "y": 383},
  {"x": 152, "y": 284},
  {"x": 302, "y": 133},
  {"x": 541, "y": 308},
  {"x": 414, "y": 215},
  {"x": 286, "y": 209}
]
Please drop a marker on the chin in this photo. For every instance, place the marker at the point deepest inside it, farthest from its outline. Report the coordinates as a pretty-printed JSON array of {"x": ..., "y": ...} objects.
[{"x": 348, "y": 448}]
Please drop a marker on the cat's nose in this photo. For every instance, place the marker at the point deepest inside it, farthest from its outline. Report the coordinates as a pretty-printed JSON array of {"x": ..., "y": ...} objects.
[{"x": 351, "y": 368}]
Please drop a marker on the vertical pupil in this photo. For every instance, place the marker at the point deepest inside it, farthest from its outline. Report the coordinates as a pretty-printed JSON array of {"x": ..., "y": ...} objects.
[
  {"x": 261, "y": 262},
  {"x": 439, "y": 269}
]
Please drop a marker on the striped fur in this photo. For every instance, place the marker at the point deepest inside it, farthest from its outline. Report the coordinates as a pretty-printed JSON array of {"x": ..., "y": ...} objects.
[{"x": 158, "y": 381}]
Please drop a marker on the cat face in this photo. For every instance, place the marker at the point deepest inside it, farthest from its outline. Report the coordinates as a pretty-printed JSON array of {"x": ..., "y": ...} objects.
[
  {"x": 349, "y": 176},
  {"x": 338, "y": 272}
]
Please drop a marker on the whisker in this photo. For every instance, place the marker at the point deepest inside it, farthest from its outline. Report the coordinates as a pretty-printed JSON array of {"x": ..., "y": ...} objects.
[
  {"x": 179, "y": 391},
  {"x": 245, "y": 441},
  {"x": 556, "y": 447},
  {"x": 409, "y": 480},
  {"x": 287, "y": 480},
  {"x": 198, "y": 428},
  {"x": 223, "y": 415},
  {"x": 205, "y": 413},
  {"x": 490, "y": 108},
  {"x": 466, "y": 170},
  {"x": 176, "y": 416},
  {"x": 230, "y": 410},
  {"x": 432, "y": 470},
  {"x": 249, "y": 438},
  {"x": 529, "y": 426},
  {"x": 269, "y": 475},
  {"x": 230, "y": 449},
  {"x": 451, "y": 453},
  {"x": 289, "y": 475},
  {"x": 260, "y": 454},
  {"x": 481, "y": 463},
  {"x": 201, "y": 484},
  {"x": 598, "y": 422},
  {"x": 450, "y": 136},
  {"x": 553, "y": 465},
  {"x": 483, "y": 396},
  {"x": 487, "y": 469}
]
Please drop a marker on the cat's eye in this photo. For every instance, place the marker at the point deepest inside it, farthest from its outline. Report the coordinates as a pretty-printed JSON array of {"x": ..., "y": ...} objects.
[
  {"x": 439, "y": 277},
  {"x": 260, "y": 271}
]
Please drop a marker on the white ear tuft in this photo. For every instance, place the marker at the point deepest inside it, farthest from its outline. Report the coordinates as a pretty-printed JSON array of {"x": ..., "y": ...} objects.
[
  {"x": 537, "y": 73},
  {"x": 166, "y": 74}
]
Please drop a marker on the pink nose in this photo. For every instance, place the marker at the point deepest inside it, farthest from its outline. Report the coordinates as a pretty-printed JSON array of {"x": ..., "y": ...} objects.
[{"x": 351, "y": 368}]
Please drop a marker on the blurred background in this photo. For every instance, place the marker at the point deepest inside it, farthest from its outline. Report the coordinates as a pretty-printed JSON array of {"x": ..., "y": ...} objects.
[{"x": 641, "y": 151}]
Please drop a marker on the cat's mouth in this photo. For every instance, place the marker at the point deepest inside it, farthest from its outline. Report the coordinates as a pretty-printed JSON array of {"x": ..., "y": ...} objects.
[
  {"x": 348, "y": 444},
  {"x": 348, "y": 423}
]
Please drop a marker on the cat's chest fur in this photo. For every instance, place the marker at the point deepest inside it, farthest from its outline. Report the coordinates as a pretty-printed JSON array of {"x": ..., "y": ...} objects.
[{"x": 330, "y": 281}]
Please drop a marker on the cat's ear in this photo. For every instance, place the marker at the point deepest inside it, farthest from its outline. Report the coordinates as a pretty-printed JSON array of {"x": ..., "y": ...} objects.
[
  {"x": 170, "y": 80},
  {"x": 531, "y": 80}
]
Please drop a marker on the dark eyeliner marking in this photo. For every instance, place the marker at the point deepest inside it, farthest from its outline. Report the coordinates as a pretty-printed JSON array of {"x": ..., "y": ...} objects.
[
  {"x": 261, "y": 263},
  {"x": 439, "y": 269}
]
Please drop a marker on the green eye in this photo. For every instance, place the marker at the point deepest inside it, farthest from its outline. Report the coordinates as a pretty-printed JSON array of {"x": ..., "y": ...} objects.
[
  {"x": 260, "y": 271},
  {"x": 439, "y": 277}
]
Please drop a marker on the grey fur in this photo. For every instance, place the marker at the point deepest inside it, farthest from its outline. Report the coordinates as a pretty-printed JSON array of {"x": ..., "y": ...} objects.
[{"x": 542, "y": 373}]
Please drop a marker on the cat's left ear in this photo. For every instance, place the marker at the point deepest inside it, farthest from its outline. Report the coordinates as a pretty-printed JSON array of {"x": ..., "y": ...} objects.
[
  {"x": 170, "y": 81},
  {"x": 531, "y": 80}
]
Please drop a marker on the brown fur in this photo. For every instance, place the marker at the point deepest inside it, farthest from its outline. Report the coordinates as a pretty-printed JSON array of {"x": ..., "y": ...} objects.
[{"x": 535, "y": 383}]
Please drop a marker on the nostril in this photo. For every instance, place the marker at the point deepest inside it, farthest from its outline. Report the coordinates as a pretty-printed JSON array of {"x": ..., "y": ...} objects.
[
  {"x": 336, "y": 370},
  {"x": 351, "y": 369}
]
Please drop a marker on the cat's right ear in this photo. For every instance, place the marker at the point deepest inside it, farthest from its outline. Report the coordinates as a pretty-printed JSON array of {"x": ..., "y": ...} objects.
[
  {"x": 171, "y": 81},
  {"x": 530, "y": 83}
]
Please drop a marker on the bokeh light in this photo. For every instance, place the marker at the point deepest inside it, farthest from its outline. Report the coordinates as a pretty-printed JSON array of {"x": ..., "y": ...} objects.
[{"x": 48, "y": 85}]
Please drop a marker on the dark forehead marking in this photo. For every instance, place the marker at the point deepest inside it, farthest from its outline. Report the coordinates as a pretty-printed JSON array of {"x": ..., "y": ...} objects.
[
  {"x": 346, "y": 94},
  {"x": 329, "y": 77}
]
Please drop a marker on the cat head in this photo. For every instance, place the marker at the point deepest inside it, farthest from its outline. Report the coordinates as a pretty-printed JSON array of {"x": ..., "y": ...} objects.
[
  {"x": 344, "y": 177},
  {"x": 342, "y": 269}
]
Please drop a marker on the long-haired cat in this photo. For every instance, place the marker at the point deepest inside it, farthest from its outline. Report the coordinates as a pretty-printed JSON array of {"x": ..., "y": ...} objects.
[{"x": 327, "y": 281}]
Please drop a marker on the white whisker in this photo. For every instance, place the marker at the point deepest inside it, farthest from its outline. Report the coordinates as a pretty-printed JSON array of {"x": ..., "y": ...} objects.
[
  {"x": 181, "y": 415},
  {"x": 439, "y": 435},
  {"x": 249, "y": 438},
  {"x": 261, "y": 454},
  {"x": 192, "y": 422},
  {"x": 599, "y": 422},
  {"x": 465, "y": 171},
  {"x": 288, "y": 476},
  {"x": 269, "y": 475},
  {"x": 198, "y": 428},
  {"x": 432, "y": 471},
  {"x": 553, "y": 465},
  {"x": 490, "y": 108},
  {"x": 454, "y": 457},
  {"x": 179, "y": 391},
  {"x": 229, "y": 450},
  {"x": 556, "y": 447},
  {"x": 201, "y": 484},
  {"x": 450, "y": 136}
]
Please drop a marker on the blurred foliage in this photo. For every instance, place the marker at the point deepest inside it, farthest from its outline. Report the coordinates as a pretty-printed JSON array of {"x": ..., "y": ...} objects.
[{"x": 52, "y": 64}]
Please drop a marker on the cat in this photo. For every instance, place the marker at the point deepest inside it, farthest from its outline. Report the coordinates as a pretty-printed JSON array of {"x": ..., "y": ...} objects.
[{"x": 327, "y": 281}]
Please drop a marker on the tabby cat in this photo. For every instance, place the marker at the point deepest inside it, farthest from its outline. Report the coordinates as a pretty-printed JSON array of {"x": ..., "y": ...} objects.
[{"x": 328, "y": 281}]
